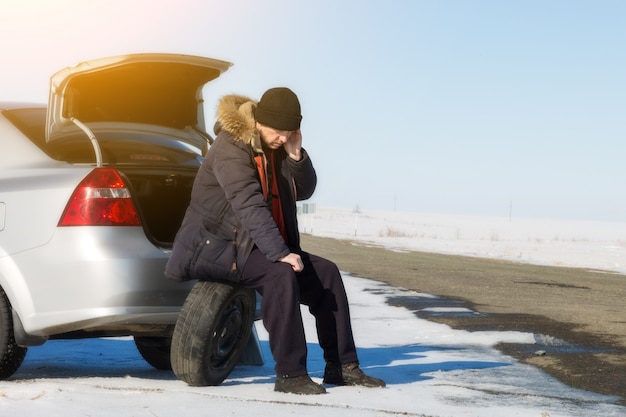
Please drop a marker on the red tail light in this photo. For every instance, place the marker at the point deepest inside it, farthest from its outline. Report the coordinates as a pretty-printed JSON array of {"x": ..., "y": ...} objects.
[{"x": 101, "y": 199}]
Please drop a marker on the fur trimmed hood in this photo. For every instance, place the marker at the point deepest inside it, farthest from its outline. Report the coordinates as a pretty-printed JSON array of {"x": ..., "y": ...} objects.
[{"x": 235, "y": 114}]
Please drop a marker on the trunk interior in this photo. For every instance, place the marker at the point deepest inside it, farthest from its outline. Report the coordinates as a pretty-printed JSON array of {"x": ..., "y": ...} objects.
[{"x": 162, "y": 197}]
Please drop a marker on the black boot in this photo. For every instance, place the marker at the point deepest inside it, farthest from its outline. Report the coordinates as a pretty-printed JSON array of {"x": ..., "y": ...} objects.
[
  {"x": 298, "y": 385},
  {"x": 349, "y": 374}
]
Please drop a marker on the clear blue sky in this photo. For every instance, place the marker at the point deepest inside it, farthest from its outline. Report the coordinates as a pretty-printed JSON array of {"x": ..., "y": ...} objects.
[{"x": 464, "y": 107}]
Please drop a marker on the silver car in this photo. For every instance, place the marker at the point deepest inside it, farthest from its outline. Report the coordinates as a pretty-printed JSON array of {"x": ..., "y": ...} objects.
[{"x": 93, "y": 188}]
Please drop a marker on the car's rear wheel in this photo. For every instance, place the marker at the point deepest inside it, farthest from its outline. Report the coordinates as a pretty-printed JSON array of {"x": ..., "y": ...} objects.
[
  {"x": 212, "y": 332},
  {"x": 155, "y": 350},
  {"x": 11, "y": 354}
]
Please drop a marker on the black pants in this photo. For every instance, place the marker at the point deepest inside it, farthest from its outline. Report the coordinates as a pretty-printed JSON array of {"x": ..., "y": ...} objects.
[{"x": 320, "y": 287}]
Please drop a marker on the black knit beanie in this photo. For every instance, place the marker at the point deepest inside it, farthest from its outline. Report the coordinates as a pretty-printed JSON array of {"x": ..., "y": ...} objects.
[{"x": 279, "y": 108}]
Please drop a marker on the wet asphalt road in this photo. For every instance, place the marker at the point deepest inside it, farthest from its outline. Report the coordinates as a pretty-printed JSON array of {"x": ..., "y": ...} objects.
[{"x": 578, "y": 316}]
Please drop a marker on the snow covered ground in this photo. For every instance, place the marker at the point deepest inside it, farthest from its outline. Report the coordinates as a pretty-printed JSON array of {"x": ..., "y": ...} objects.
[{"x": 431, "y": 369}]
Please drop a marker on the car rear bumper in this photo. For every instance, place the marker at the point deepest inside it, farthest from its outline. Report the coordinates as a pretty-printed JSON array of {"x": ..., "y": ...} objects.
[{"x": 88, "y": 278}]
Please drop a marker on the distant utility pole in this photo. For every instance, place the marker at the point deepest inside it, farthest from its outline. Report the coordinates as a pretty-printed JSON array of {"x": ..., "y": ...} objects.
[
  {"x": 356, "y": 212},
  {"x": 510, "y": 211}
]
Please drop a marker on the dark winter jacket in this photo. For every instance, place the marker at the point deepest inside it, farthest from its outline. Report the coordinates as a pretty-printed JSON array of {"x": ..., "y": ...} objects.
[{"x": 228, "y": 203}]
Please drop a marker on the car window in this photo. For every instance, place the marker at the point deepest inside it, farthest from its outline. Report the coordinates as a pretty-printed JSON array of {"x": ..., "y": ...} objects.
[{"x": 31, "y": 122}]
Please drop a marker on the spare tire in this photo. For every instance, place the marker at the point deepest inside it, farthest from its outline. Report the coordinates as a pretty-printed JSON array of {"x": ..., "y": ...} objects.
[{"x": 212, "y": 332}]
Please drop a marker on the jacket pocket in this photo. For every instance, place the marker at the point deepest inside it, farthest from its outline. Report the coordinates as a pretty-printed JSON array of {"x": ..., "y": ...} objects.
[{"x": 215, "y": 258}]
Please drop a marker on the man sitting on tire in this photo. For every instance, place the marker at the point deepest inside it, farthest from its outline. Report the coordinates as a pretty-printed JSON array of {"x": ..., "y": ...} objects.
[{"x": 241, "y": 226}]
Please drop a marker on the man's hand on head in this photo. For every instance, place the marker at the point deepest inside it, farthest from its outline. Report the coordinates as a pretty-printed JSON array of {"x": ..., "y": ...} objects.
[{"x": 293, "y": 145}]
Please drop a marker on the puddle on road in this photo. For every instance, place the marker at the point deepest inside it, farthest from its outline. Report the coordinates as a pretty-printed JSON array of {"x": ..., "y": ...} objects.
[{"x": 427, "y": 306}]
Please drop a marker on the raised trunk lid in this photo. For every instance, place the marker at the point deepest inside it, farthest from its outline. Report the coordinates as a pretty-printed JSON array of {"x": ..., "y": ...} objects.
[{"x": 162, "y": 90}]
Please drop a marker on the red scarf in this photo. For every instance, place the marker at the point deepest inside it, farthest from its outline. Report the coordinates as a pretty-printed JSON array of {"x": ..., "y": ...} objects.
[{"x": 277, "y": 208}]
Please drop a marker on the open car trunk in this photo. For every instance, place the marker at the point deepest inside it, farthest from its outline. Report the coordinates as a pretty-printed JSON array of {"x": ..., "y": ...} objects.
[
  {"x": 158, "y": 169},
  {"x": 142, "y": 114}
]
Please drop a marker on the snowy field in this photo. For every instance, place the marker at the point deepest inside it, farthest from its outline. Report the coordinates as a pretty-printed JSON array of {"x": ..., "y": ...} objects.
[
  {"x": 575, "y": 243},
  {"x": 431, "y": 369}
]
